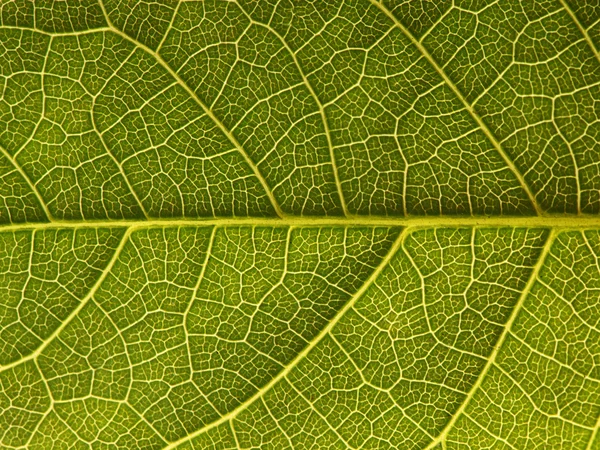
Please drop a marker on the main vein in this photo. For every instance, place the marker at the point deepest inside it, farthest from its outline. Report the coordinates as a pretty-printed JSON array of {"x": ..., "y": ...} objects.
[{"x": 549, "y": 221}]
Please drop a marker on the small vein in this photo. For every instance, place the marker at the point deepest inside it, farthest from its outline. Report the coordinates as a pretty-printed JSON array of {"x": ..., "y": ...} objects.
[
  {"x": 13, "y": 160},
  {"x": 533, "y": 404},
  {"x": 191, "y": 303},
  {"x": 594, "y": 434},
  {"x": 164, "y": 38},
  {"x": 318, "y": 413},
  {"x": 50, "y": 404},
  {"x": 119, "y": 165},
  {"x": 237, "y": 442}
]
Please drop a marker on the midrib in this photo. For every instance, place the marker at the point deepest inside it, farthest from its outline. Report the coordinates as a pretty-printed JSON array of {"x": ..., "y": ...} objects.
[{"x": 549, "y": 221}]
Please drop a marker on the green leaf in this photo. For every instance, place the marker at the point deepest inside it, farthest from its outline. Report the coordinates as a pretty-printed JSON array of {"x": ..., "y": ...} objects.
[{"x": 289, "y": 224}]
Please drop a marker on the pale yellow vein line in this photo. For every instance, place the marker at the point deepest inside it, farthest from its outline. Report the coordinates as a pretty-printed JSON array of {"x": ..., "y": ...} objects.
[
  {"x": 366, "y": 383},
  {"x": 277, "y": 424},
  {"x": 492, "y": 358},
  {"x": 303, "y": 396},
  {"x": 14, "y": 161},
  {"x": 50, "y": 405},
  {"x": 495, "y": 434},
  {"x": 76, "y": 311},
  {"x": 237, "y": 441},
  {"x": 572, "y": 153},
  {"x": 56, "y": 33},
  {"x": 590, "y": 43},
  {"x": 169, "y": 28},
  {"x": 117, "y": 163},
  {"x": 42, "y": 116},
  {"x": 582, "y": 30},
  {"x": 319, "y": 106},
  {"x": 30, "y": 183},
  {"x": 557, "y": 221},
  {"x": 119, "y": 333},
  {"x": 205, "y": 108},
  {"x": 273, "y": 288},
  {"x": 594, "y": 434},
  {"x": 492, "y": 139},
  {"x": 324, "y": 332},
  {"x": 537, "y": 409}
]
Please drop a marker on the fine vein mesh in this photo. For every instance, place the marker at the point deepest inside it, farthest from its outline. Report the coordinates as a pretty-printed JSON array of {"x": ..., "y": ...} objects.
[
  {"x": 170, "y": 273},
  {"x": 251, "y": 108}
]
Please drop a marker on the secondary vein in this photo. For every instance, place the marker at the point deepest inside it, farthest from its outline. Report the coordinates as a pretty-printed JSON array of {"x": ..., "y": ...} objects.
[
  {"x": 306, "y": 83},
  {"x": 582, "y": 30},
  {"x": 492, "y": 357},
  {"x": 495, "y": 143},
  {"x": 77, "y": 310},
  {"x": 205, "y": 108},
  {"x": 281, "y": 375}
]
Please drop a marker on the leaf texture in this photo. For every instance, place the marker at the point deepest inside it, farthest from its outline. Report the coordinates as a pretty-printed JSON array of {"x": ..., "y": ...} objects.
[{"x": 291, "y": 224}]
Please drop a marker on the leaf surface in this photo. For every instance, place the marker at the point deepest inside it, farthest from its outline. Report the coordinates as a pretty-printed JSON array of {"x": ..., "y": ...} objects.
[{"x": 275, "y": 224}]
